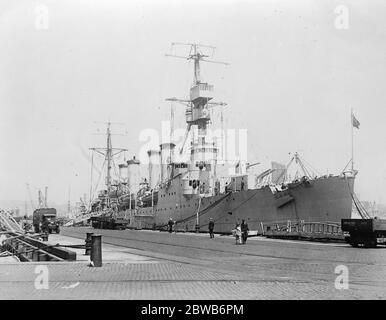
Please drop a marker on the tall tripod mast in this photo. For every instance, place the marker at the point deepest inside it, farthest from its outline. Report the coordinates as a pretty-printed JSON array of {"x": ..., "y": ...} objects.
[
  {"x": 109, "y": 152},
  {"x": 196, "y": 56},
  {"x": 199, "y": 102},
  {"x": 108, "y": 157}
]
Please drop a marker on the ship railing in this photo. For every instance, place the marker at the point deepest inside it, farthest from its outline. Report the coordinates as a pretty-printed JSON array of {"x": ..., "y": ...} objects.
[
  {"x": 301, "y": 227},
  {"x": 320, "y": 227}
]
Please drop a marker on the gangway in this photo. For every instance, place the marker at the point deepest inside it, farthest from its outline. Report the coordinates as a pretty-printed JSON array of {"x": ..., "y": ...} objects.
[{"x": 82, "y": 218}]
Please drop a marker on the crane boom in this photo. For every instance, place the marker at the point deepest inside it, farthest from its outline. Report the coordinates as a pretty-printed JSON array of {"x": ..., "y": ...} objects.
[
  {"x": 30, "y": 197},
  {"x": 45, "y": 197}
]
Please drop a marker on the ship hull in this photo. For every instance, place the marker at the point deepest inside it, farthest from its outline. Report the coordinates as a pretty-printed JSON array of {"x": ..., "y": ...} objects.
[{"x": 318, "y": 200}]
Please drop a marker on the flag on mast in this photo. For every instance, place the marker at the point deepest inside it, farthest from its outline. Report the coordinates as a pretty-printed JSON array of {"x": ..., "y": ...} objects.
[{"x": 354, "y": 121}]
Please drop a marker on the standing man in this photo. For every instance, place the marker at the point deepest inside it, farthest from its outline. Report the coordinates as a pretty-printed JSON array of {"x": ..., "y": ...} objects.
[
  {"x": 24, "y": 223},
  {"x": 170, "y": 224},
  {"x": 45, "y": 225},
  {"x": 244, "y": 231},
  {"x": 211, "y": 228}
]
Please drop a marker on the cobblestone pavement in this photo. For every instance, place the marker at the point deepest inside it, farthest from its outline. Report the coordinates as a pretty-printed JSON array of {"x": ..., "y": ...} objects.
[{"x": 196, "y": 267}]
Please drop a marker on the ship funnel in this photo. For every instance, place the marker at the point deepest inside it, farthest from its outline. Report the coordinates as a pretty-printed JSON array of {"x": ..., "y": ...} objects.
[
  {"x": 123, "y": 172},
  {"x": 154, "y": 167},
  {"x": 167, "y": 157},
  {"x": 133, "y": 175}
]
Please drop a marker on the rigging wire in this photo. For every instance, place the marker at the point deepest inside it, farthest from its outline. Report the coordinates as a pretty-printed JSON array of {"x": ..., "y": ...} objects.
[
  {"x": 311, "y": 167},
  {"x": 346, "y": 165},
  {"x": 358, "y": 205},
  {"x": 114, "y": 167}
]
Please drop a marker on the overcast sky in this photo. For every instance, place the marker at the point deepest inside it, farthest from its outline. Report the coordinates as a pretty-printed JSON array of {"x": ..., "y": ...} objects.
[{"x": 294, "y": 76}]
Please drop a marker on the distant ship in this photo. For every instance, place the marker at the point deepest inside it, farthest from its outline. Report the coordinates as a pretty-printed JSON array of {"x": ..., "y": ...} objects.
[{"x": 190, "y": 192}]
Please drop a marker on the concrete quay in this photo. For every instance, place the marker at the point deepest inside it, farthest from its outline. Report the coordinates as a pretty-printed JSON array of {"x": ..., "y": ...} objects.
[{"x": 157, "y": 265}]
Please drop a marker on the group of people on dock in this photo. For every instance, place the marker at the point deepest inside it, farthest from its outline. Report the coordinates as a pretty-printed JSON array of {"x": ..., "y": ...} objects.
[{"x": 240, "y": 232}]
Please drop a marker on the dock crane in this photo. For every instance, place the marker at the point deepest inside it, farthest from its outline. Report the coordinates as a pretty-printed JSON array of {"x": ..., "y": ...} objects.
[
  {"x": 30, "y": 197},
  {"x": 42, "y": 199}
]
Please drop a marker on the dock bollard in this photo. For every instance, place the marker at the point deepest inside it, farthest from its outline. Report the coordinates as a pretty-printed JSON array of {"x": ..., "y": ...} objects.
[
  {"x": 35, "y": 256},
  {"x": 96, "y": 250},
  {"x": 88, "y": 243}
]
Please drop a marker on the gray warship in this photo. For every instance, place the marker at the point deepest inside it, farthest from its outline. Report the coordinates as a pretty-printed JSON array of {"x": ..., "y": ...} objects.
[{"x": 191, "y": 192}]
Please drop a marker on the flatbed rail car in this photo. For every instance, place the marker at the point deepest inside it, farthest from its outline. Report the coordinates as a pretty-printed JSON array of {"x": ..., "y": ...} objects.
[
  {"x": 365, "y": 232},
  {"x": 107, "y": 222}
]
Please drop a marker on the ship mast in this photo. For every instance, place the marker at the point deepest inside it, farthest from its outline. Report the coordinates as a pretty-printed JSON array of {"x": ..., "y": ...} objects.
[
  {"x": 197, "y": 106},
  {"x": 201, "y": 174},
  {"x": 108, "y": 157},
  {"x": 354, "y": 123},
  {"x": 352, "y": 143},
  {"x": 109, "y": 152}
]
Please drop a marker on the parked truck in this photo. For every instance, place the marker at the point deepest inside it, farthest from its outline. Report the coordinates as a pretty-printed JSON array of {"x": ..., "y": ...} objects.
[
  {"x": 108, "y": 220},
  {"x": 44, "y": 220},
  {"x": 365, "y": 232}
]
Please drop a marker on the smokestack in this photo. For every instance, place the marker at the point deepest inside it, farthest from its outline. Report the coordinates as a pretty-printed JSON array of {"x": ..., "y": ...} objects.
[
  {"x": 167, "y": 157},
  {"x": 123, "y": 172},
  {"x": 133, "y": 175},
  {"x": 154, "y": 166}
]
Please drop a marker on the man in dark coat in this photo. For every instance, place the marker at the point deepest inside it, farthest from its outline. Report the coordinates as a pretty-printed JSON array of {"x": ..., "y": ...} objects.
[
  {"x": 211, "y": 227},
  {"x": 170, "y": 225},
  {"x": 244, "y": 231},
  {"x": 45, "y": 225}
]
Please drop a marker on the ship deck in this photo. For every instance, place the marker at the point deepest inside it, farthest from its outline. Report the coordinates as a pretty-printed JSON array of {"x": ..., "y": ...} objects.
[{"x": 158, "y": 265}]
